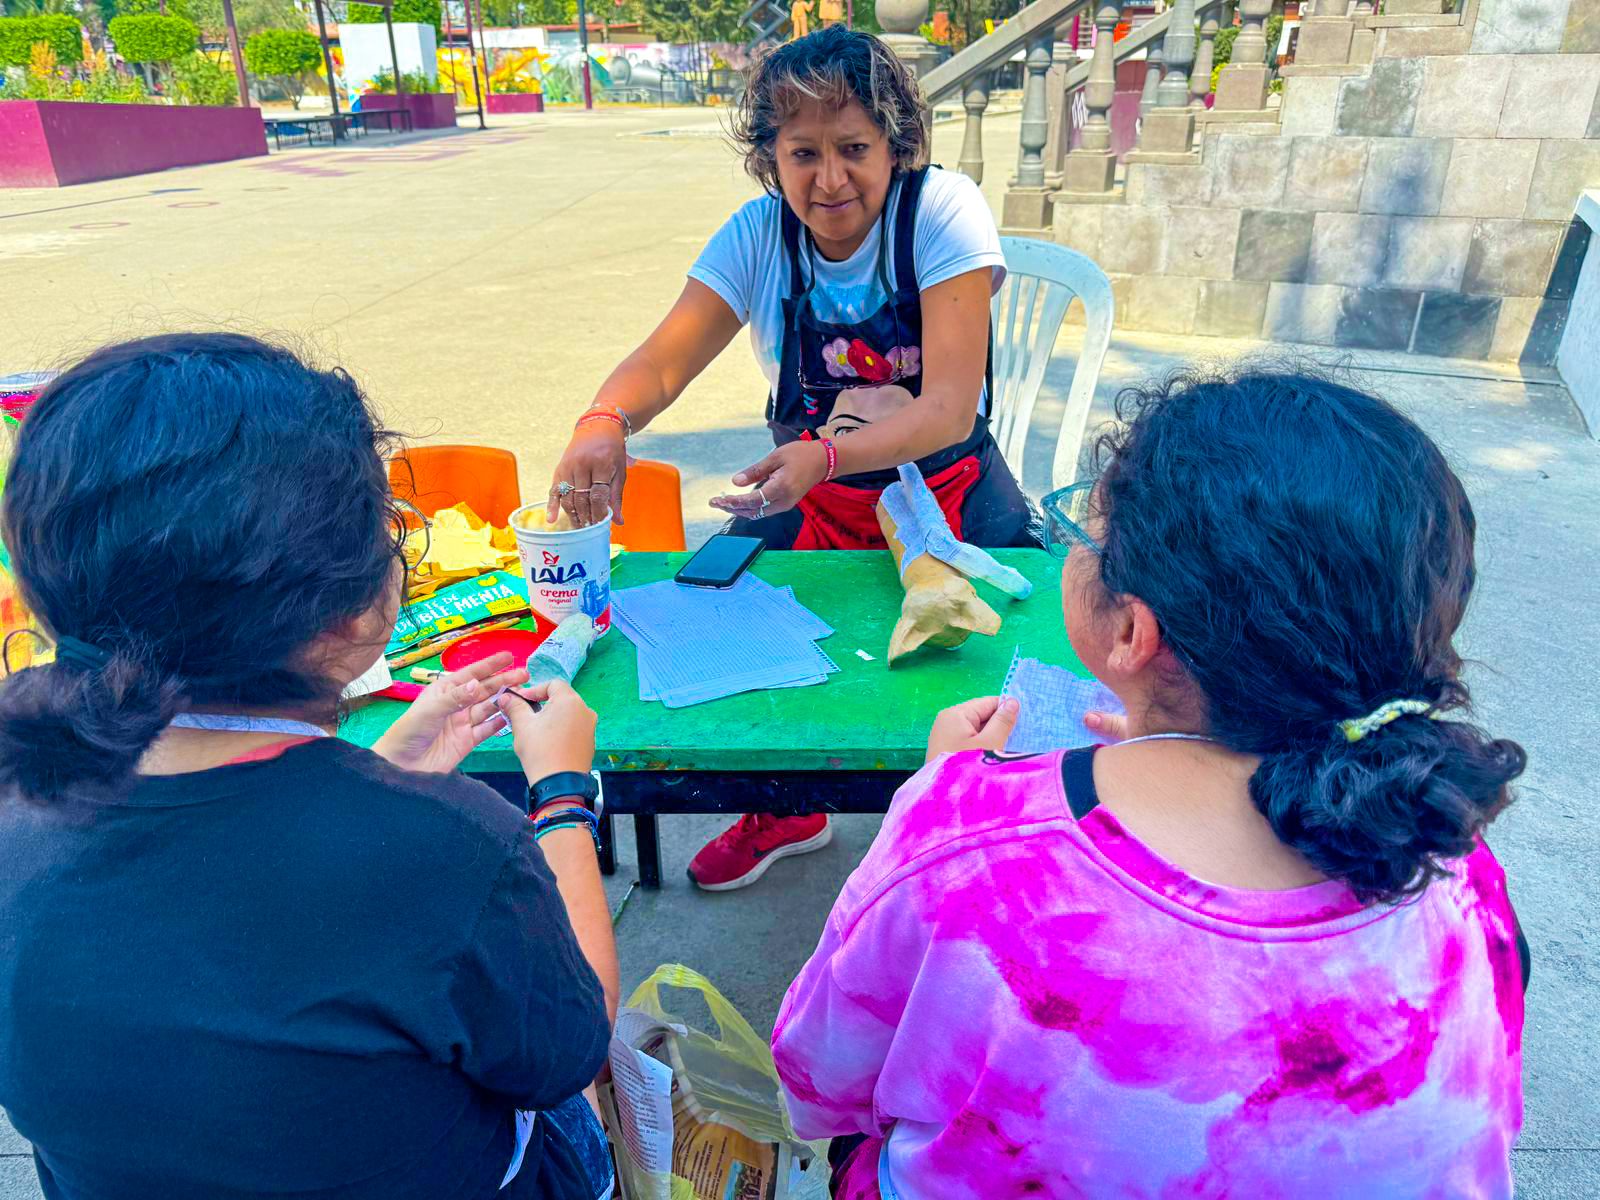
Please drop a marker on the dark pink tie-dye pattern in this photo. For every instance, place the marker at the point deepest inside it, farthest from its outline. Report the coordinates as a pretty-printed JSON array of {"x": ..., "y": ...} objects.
[{"x": 1041, "y": 1007}]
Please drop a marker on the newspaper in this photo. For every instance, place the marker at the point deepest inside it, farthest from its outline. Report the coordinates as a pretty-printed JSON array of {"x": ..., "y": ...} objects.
[{"x": 668, "y": 1145}]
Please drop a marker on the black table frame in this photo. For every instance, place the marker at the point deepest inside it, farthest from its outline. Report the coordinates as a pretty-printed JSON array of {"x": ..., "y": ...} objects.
[
  {"x": 646, "y": 795},
  {"x": 339, "y": 127}
]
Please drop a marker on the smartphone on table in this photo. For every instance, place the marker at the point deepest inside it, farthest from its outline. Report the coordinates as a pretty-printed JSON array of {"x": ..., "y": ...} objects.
[{"x": 720, "y": 562}]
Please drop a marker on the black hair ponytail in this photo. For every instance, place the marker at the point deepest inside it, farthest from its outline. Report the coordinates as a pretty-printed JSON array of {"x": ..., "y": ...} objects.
[
  {"x": 65, "y": 728},
  {"x": 1309, "y": 555},
  {"x": 186, "y": 514},
  {"x": 1386, "y": 812}
]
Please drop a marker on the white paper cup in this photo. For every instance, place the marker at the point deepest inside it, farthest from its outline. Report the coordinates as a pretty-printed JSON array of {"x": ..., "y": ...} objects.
[{"x": 568, "y": 571}]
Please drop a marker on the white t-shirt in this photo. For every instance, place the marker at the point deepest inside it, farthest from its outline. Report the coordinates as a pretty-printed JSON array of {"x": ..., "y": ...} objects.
[{"x": 745, "y": 263}]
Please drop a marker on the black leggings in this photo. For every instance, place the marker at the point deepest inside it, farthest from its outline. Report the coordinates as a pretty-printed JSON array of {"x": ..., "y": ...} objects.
[{"x": 994, "y": 515}]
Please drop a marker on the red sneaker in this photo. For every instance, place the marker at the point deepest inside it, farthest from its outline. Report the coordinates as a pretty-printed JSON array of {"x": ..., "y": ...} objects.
[{"x": 740, "y": 855}]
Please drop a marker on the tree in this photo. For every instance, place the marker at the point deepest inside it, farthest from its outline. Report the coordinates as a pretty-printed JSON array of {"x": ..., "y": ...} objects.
[
  {"x": 151, "y": 39},
  {"x": 160, "y": 8},
  {"x": 250, "y": 16},
  {"x": 287, "y": 55},
  {"x": 19, "y": 35},
  {"x": 534, "y": 12},
  {"x": 414, "y": 12},
  {"x": 199, "y": 79},
  {"x": 684, "y": 21}
]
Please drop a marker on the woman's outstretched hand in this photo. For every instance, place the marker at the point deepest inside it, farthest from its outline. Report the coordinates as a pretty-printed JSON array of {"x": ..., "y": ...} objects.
[
  {"x": 981, "y": 724},
  {"x": 452, "y": 716},
  {"x": 779, "y": 480},
  {"x": 595, "y": 463}
]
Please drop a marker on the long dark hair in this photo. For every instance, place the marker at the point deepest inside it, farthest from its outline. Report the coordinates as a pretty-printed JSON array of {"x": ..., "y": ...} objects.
[
  {"x": 1309, "y": 555},
  {"x": 198, "y": 508}
]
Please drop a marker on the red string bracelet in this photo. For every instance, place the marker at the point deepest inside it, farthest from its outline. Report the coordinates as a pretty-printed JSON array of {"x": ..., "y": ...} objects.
[
  {"x": 602, "y": 414},
  {"x": 833, "y": 458}
]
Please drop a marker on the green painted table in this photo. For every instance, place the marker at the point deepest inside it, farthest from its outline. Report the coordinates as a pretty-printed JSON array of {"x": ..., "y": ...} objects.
[{"x": 840, "y": 746}]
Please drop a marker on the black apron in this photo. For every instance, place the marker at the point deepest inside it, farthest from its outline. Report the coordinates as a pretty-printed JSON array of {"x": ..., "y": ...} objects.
[{"x": 821, "y": 360}]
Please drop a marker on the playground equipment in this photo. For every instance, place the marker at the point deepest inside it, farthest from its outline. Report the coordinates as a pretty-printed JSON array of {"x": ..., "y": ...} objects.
[{"x": 767, "y": 21}]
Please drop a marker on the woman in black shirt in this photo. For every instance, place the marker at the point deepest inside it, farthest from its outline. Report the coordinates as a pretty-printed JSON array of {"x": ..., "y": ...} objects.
[{"x": 240, "y": 958}]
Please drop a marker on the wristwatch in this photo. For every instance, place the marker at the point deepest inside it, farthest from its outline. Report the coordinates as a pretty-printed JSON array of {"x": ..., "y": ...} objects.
[{"x": 579, "y": 786}]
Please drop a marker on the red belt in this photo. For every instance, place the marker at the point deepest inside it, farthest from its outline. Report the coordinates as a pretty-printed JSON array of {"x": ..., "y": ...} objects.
[{"x": 837, "y": 517}]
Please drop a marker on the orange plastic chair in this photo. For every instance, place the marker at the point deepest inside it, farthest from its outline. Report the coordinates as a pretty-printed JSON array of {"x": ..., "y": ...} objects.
[
  {"x": 435, "y": 477},
  {"x": 653, "y": 507}
]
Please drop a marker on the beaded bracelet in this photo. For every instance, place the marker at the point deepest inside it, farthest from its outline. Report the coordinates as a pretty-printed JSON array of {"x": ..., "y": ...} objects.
[
  {"x": 568, "y": 818},
  {"x": 833, "y": 458}
]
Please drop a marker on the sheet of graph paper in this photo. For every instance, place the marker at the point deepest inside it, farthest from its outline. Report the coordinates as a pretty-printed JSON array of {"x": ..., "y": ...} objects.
[
  {"x": 699, "y": 644},
  {"x": 1052, "y": 703}
]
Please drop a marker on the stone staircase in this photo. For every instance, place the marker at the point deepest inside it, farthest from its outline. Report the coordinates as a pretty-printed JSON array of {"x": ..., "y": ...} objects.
[{"x": 1415, "y": 190}]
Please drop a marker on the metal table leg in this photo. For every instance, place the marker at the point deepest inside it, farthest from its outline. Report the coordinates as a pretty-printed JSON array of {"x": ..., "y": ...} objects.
[
  {"x": 608, "y": 845},
  {"x": 647, "y": 840}
]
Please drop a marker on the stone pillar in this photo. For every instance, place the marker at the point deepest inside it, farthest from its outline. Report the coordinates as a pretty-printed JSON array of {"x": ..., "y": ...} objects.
[
  {"x": 1179, "y": 50},
  {"x": 1062, "y": 62},
  {"x": 1325, "y": 37},
  {"x": 1027, "y": 205},
  {"x": 1242, "y": 86},
  {"x": 1153, "y": 60},
  {"x": 900, "y": 20},
  {"x": 1204, "y": 56},
  {"x": 975, "y": 99},
  {"x": 1170, "y": 128},
  {"x": 1092, "y": 167}
]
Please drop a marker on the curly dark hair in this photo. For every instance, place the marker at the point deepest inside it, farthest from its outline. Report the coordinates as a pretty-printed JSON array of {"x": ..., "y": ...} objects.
[
  {"x": 1309, "y": 554},
  {"x": 835, "y": 65},
  {"x": 200, "y": 507}
]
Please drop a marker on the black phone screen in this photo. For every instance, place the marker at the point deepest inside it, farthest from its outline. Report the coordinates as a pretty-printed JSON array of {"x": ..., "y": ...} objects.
[{"x": 720, "y": 561}]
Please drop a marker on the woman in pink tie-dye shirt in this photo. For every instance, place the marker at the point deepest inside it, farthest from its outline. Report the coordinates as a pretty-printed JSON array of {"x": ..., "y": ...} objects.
[{"x": 1256, "y": 949}]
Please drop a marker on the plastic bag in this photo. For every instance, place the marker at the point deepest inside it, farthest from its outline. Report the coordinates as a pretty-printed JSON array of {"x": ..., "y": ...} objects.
[{"x": 714, "y": 1091}]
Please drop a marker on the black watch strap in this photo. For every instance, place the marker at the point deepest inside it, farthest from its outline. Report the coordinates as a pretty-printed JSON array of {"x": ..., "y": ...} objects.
[{"x": 563, "y": 785}]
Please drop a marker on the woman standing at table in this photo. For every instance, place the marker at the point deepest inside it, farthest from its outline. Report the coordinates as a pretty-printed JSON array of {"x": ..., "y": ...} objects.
[
  {"x": 865, "y": 277},
  {"x": 242, "y": 958}
]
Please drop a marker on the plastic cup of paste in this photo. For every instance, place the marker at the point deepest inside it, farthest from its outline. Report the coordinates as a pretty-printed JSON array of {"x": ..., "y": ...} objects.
[{"x": 568, "y": 570}]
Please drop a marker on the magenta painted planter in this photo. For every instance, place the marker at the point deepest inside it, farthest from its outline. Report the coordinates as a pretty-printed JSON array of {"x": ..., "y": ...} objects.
[
  {"x": 517, "y": 102},
  {"x": 53, "y": 143},
  {"x": 429, "y": 110}
]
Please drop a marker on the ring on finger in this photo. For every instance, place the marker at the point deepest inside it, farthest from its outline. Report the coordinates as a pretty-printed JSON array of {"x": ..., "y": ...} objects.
[{"x": 565, "y": 488}]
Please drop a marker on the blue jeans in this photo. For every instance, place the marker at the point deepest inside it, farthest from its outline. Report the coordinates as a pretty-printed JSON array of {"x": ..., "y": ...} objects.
[{"x": 574, "y": 1122}]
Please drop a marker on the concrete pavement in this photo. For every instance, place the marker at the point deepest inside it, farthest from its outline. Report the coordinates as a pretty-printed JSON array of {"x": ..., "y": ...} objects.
[{"x": 481, "y": 285}]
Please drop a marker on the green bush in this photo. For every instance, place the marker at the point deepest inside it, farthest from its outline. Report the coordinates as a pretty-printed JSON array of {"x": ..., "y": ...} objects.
[
  {"x": 1222, "y": 48},
  {"x": 198, "y": 79},
  {"x": 287, "y": 55},
  {"x": 152, "y": 38},
  {"x": 100, "y": 85},
  {"x": 406, "y": 12},
  {"x": 561, "y": 86},
  {"x": 60, "y": 31},
  {"x": 417, "y": 82}
]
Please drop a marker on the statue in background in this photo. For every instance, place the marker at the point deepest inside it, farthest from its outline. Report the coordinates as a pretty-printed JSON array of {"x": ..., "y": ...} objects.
[{"x": 800, "y": 18}]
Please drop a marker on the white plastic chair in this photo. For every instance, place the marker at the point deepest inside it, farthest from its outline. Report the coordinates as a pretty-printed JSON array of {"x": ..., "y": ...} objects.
[{"x": 1042, "y": 280}]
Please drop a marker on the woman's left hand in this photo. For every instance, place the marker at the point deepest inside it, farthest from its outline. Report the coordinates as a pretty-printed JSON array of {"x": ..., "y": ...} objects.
[
  {"x": 982, "y": 724},
  {"x": 452, "y": 716},
  {"x": 780, "y": 479}
]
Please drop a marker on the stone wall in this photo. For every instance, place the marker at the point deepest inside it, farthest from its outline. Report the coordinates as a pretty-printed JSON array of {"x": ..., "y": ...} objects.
[{"x": 1423, "y": 202}]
